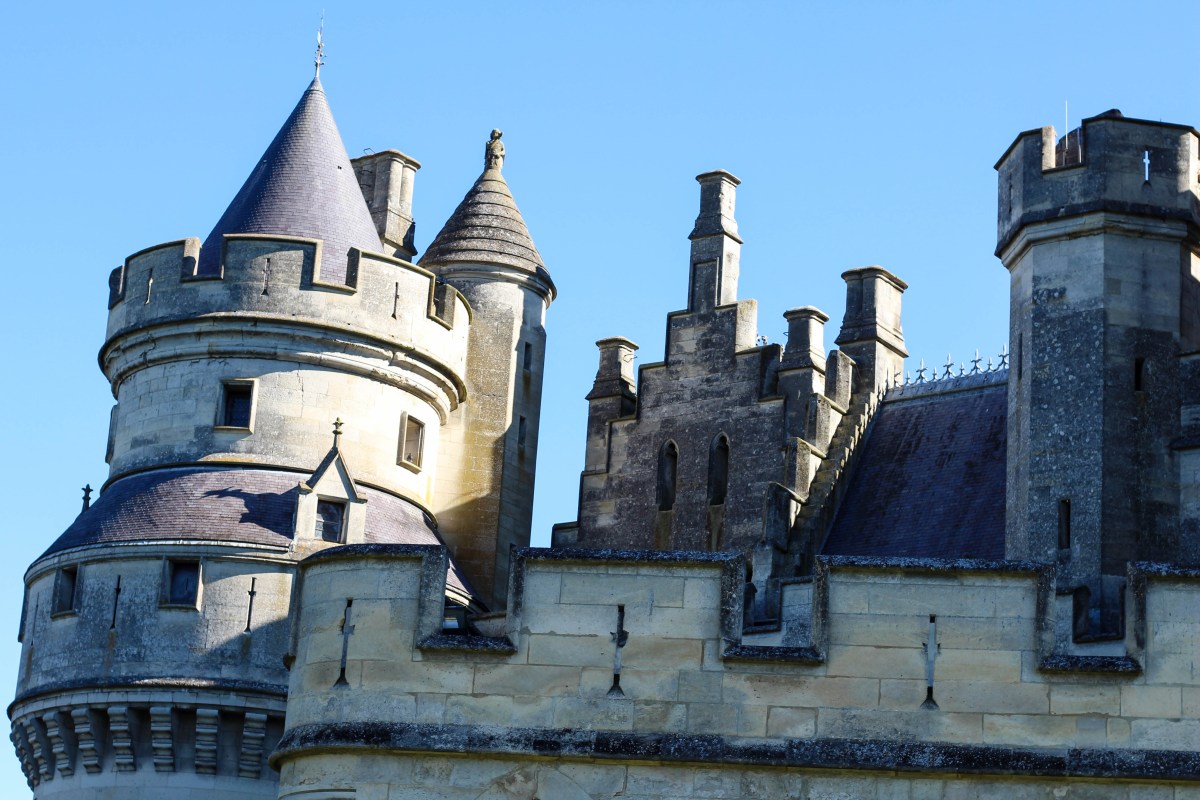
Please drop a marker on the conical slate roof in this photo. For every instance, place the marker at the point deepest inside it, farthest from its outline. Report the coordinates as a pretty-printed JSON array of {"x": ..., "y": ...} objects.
[
  {"x": 487, "y": 227},
  {"x": 302, "y": 186}
]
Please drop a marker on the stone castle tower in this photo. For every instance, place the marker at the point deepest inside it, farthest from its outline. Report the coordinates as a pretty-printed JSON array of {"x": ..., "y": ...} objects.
[
  {"x": 292, "y": 384},
  {"x": 796, "y": 572}
]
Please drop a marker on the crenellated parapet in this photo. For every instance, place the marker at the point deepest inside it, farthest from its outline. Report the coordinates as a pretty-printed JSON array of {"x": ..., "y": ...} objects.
[
  {"x": 1112, "y": 164},
  {"x": 955, "y": 660},
  {"x": 389, "y": 345}
]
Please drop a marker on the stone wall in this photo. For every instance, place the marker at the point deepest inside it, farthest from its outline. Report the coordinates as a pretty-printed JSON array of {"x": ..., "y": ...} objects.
[{"x": 841, "y": 701}]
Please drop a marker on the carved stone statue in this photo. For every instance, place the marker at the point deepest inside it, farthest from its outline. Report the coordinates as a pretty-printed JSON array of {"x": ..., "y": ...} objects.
[{"x": 494, "y": 155}]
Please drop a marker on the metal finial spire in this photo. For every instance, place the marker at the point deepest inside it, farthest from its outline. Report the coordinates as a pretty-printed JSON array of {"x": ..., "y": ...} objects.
[
  {"x": 320, "y": 58},
  {"x": 87, "y": 496}
]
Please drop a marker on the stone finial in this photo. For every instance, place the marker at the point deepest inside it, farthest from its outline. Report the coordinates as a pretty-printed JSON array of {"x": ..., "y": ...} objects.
[
  {"x": 87, "y": 496},
  {"x": 493, "y": 158},
  {"x": 337, "y": 431}
]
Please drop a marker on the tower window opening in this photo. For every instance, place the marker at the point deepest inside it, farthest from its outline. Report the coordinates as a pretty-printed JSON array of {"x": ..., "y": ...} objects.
[
  {"x": 522, "y": 431},
  {"x": 1020, "y": 355},
  {"x": 66, "y": 591},
  {"x": 1146, "y": 165},
  {"x": 412, "y": 441},
  {"x": 718, "y": 471},
  {"x": 1139, "y": 373},
  {"x": 1064, "y": 524},
  {"x": 181, "y": 583},
  {"x": 331, "y": 521},
  {"x": 237, "y": 404},
  {"x": 527, "y": 357},
  {"x": 668, "y": 471}
]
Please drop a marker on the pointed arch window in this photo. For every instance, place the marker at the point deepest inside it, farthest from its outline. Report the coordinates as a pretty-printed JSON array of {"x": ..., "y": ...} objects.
[{"x": 668, "y": 475}]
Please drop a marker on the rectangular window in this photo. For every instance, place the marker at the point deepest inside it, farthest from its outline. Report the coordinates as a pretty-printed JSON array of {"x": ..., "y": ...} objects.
[
  {"x": 181, "y": 583},
  {"x": 412, "y": 441},
  {"x": 331, "y": 520},
  {"x": 66, "y": 591},
  {"x": 521, "y": 432},
  {"x": 237, "y": 404},
  {"x": 527, "y": 363}
]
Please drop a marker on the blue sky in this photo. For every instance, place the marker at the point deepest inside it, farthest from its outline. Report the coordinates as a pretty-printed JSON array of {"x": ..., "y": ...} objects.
[{"x": 864, "y": 133}]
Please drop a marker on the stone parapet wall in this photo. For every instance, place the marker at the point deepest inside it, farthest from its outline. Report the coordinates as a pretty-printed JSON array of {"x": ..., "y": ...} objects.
[{"x": 849, "y": 692}]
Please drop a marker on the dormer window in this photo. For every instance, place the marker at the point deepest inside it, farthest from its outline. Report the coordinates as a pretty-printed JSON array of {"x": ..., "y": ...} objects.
[
  {"x": 412, "y": 442},
  {"x": 331, "y": 521},
  {"x": 236, "y": 410}
]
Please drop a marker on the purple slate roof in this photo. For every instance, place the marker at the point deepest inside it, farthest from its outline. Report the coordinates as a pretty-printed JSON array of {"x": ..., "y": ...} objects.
[
  {"x": 930, "y": 481},
  {"x": 243, "y": 506},
  {"x": 302, "y": 186}
]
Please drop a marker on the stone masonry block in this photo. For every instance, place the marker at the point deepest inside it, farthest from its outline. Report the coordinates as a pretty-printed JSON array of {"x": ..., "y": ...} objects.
[
  {"x": 518, "y": 679},
  {"x": 1028, "y": 729},
  {"x": 629, "y": 590},
  {"x": 1151, "y": 701},
  {"x": 795, "y": 691},
  {"x": 876, "y": 662},
  {"x": 1085, "y": 699},
  {"x": 582, "y": 651}
]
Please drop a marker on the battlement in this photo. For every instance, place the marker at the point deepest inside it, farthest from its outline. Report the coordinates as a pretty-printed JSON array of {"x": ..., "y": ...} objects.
[
  {"x": 272, "y": 278},
  {"x": 1111, "y": 164},
  {"x": 946, "y": 655}
]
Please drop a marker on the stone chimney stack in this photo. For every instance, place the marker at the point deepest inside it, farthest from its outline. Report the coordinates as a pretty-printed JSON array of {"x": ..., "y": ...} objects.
[
  {"x": 716, "y": 246},
  {"x": 386, "y": 180},
  {"x": 871, "y": 333}
]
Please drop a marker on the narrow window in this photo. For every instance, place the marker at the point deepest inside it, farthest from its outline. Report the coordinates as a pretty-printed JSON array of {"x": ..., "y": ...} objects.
[
  {"x": 1139, "y": 373},
  {"x": 181, "y": 583},
  {"x": 527, "y": 359},
  {"x": 1064, "y": 524},
  {"x": 66, "y": 591},
  {"x": 331, "y": 519},
  {"x": 668, "y": 469},
  {"x": 718, "y": 471},
  {"x": 412, "y": 441},
  {"x": 237, "y": 404},
  {"x": 1020, "y": 354},
  {"x": 521, "y": 432}
]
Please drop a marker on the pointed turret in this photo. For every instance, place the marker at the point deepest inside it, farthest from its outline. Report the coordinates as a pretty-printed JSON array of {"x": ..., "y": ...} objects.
[
  {"x": 487, "y": 226},
  {"x": 302, "y": 186},
  {"x": 490, "y": 453}
]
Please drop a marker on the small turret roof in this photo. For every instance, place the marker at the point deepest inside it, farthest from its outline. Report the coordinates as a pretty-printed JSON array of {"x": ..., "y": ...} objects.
[
  {"x": 487, "y": 227},
  {"x": 302, "y": 186}
]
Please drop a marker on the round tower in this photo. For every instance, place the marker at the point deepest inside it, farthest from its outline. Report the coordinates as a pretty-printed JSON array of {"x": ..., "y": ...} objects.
[
  {"x": 490, "y": 455},
  {"x": 279, "y": 390},
  {"x": 1099, "y": 234}
]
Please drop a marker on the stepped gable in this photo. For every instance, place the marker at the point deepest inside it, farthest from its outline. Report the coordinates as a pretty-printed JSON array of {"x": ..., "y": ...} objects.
[
  {"x": 930, "y": 480},
  {"x": 302, "y": 186},
  {"x": 229, "y": 506},
  {"x": 487, "y": 227}
]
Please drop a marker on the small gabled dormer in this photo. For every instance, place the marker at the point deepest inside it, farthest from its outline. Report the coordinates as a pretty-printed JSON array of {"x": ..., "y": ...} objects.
[{"x": 330, "y": 509}]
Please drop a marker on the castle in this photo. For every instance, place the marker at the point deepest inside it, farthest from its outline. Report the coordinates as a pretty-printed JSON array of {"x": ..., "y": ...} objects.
[{"x": 794, "y": 573}]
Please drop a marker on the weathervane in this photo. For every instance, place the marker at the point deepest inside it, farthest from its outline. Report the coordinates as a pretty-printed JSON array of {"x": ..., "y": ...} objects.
[{"x": 320, "y": 59}]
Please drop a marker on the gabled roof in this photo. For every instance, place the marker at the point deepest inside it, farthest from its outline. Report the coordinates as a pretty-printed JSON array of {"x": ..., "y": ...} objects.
[
  {"x": 302, "y": 186},
  {"x": 930, "y": 481},
  {"x": 487, "y": 227}
]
